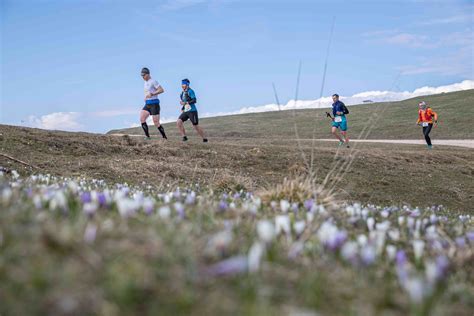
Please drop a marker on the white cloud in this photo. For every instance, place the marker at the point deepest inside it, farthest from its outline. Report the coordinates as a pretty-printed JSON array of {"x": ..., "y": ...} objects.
[
  {"x": 407, "y": 39},
  {"x": 65, "y": 121},
  {"x": 69, "y": 121},
  {"x": 375, "y": 96},
  {"x": 461, "y": 18}
]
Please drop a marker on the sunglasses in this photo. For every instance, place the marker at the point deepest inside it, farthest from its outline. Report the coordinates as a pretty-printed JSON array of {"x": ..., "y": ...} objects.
[{"x": 143, "y": 75}]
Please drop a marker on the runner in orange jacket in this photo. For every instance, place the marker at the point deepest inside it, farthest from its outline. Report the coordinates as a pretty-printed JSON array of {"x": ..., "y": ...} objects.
[{"x": 426, "y": 118}]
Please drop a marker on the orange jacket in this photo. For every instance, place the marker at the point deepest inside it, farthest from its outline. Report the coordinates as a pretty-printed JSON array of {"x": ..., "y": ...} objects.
[{"x": 426, "y": 116}]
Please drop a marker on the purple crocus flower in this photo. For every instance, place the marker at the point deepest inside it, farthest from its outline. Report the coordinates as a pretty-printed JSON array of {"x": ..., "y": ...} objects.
[
  {"x": 337, "y": 241},
  {"x": 461, "y": 242},
  {"x": 190, "y": 198},
  {"x": 308, "y": 204},
  {"x": 401, "y": 265},
  {"x": 294, "y": 208},
  {"x": 230, "y": 266},
  {"x": 101, "y": 199},
  {"x": 442, "y": 265},
  {"x": 401, "y": 258},
  {"x": 470, "y": 236},
  {"x": 236, "y": 196},
  {"x": 86, "y": 197},
  {"x": 368, "y": 255},
  {"x": 177, "y": 194},
  {"x": 223, "y": 206},
  {"x": 179, "y": 209}
]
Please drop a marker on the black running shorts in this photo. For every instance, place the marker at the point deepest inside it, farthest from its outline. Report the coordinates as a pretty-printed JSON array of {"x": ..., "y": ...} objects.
[
  {"x": 153, "y": 109},
  {"x": 191, "y": 115}
]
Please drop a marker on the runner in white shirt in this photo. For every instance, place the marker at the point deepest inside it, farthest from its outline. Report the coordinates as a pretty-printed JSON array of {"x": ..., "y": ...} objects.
[{"x": 152, "y": 104}]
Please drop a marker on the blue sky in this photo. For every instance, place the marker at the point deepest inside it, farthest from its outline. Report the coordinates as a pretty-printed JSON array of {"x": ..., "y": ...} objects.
[{"x": 75, "y": 65}]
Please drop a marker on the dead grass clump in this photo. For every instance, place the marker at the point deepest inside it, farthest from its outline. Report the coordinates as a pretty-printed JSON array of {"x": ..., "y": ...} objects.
[{"x": 298, "y": 190}]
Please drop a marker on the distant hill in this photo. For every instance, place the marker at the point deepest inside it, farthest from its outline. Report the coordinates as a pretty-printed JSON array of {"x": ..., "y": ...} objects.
[{"x": 388, "y": 120}]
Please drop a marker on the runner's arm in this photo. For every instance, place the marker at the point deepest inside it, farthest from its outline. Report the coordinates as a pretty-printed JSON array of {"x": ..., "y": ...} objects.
[
  {"x": 192, "y": 97},
  {"x": 159, "y": 90}
]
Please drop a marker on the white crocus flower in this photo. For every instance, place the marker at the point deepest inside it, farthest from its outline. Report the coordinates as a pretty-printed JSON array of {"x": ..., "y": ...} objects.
[
  {"x": 15, "y": 174},
  {"x": 90, "y": 233},
  {"x": 282, "y": 224},
  {"x": 391, "y": 251},
  {"x": 415, "y": 288},
  {"x": 394, "y": 234},
  {"x": 383, "y": 226},
  {"x": 254, "y": 257},
  {"x": 299, "y": 227},
  {"x": 284, "y": 206},
  {"x": 362, "y": 240},
  {"x": 6, "y": 195},
  {"x": 401, "y": 220},
  {"x": 370, "y": 223},
  {"x": 349, "y": 250},
  {"x": 164, "y": 212},
  {"x": 266, "y": 231},
  {"x": 89, "y": 208},
  {"x": 418, "y": 248}
]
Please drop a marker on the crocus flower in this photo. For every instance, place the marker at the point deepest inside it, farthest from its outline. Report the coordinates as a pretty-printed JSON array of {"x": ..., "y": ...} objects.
[
  {"x": 148, "y": 206},
  {"x": 391, "y": 251},
  {"x": 230, "y": 266},
  {"x": 284, "y": 206},
  {"x": 370, "y": 223},
  {"x": 470, "y": 235},
  {"x": 164, "y": 212},
  {"x": 89, "y": 208},
  {"x": 223, "y": 205},
  {"x": 415, "y": 289},
  {"x": 219, "y": 242},
  {"x": 460, "y": 242},
  {"x": 266, "y": 231},
  {"x": 255, "y": 256},
  {"x": 308, "y": 204},
  {"x": 401, "y": 220},
  {"x": 90, "y": 233},
  {"x": 368, "y": 255},
  {"x": 86, "y": 197},
  {"x": 418, "y": 248},
  {"x": 179, "y": 209},
  {"x": 282, "y": 224},
  {"x": 191, "y": 198},
  {"x": 299, "y": 227},
  {"x": 349, "y": 251}
]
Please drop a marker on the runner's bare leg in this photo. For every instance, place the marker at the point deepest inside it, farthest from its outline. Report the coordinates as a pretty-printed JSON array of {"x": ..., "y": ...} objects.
[{"x": 180, "y": 125}]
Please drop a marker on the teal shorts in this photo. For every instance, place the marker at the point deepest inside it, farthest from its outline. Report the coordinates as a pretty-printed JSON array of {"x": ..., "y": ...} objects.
[{"x": 341, "y": 125}]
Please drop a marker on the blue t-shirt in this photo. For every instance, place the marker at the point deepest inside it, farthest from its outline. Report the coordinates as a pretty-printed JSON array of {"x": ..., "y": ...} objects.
[
  {"x": 189, "y": 97},
  {"x": 338, "y": 106}
]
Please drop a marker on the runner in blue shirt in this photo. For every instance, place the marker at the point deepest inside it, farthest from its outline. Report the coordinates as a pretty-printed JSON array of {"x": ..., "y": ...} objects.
[
  {"x": 339, "y": 120},
  {"x": 189, "y": 111}
]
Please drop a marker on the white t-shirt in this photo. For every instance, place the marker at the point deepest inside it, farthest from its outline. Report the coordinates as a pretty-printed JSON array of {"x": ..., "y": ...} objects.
[{"x": 151, "y": 86}]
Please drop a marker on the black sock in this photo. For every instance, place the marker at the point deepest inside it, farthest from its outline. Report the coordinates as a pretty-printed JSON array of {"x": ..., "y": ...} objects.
[
  {"x": 145, "y": 129},
  {"x": 162, "y": 131}
]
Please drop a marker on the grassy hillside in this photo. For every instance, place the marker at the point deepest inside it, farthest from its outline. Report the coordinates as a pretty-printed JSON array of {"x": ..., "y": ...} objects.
[
  {"x": 391, "y": 120},
  {"x": 378, "y": 173},
  {"x": 261, "y": 224}
]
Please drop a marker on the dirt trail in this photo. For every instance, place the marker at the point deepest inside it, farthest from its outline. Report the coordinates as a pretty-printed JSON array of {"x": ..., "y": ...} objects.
[{"x": 468, "y": 143}]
